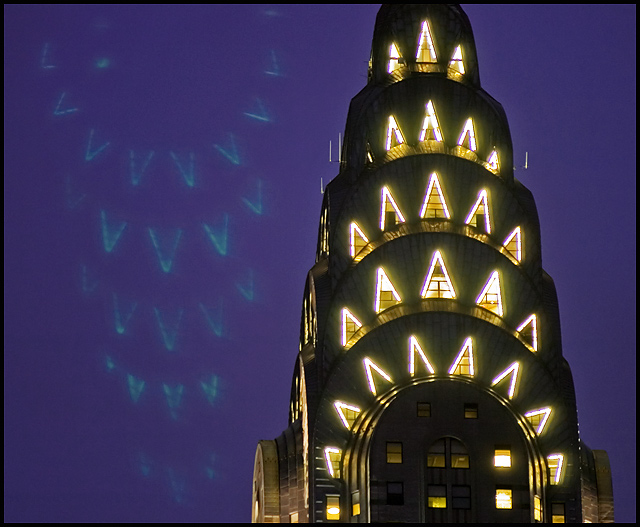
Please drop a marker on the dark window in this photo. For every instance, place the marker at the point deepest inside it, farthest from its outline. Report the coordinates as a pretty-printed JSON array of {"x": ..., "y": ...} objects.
[
  {"x": 424, "y": 409},
  {"x": 394, "y": 452},
  {"x": 470, "y": 411},
  {"x": 461, "y": 496},
  {"x": 395, "y": 493}
]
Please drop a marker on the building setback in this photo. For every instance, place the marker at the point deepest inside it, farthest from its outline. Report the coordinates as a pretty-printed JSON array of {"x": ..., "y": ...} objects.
[{"x": 430, "y": 384}]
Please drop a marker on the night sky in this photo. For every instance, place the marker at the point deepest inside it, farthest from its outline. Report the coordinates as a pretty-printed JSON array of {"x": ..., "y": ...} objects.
[{"x": 163, "y": 168}]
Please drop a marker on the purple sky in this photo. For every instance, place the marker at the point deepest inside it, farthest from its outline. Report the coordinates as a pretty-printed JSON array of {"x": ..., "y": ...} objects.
[{"x": 108, "y": 108}]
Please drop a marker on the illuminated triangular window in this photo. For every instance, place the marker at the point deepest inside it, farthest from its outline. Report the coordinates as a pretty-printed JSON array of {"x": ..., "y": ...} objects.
[
  {"x": 434, "y": 204},
  {"x": 332, "y": 456},
  {"x": 390, "y": 214},
  {"x": 347, "y": 413},
  {"x": 513, "y": 243},
  {"x": 538, "y": 418},
  {"x": 431, "y": 127},
  {"x": 437, "y": 283},
  {"x": 357, "y": 239},
  {"x": 456, "y": 65},
  {"x": 529, "y": 331},
  {"x": 467, "y": 137},
  {"x": 463, "y": 365},
  {"x": 395, "y": 60},
  {"x": 511, "y": 371},
  {"x": 556, "y": 464},
  {"x": 414, "y": 348},
  {"x": 493, "y": 162},
  {"x": 386, "y": 294},
  {"x": 369, "y": 368},
  {"x": 426, "y": 50},
  {"x": 349, "y": 325},
  {"x": 369, "y": 154},
  {"x": 490, "y": 297},
  {"x": 479, "y": 214},
  {"x": 394, "y": 135}
]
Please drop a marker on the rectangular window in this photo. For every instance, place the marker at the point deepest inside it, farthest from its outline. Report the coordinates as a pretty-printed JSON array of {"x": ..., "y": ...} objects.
[
  {"x": 395, "y": 493},
  {"x": 293, "y": 517},
  {"x": 470, "y": 411},
  {"x": 424, "y": 409},
  {"x": 557, "y": 513},
  {"x": 355, "y": 503},
  {"x": 461, "y": 497},
  {"x": 333, "y": 507},
  {"x": 537, "y": 508},
  {"x": 502, "y": 457},
  {"x": 437, "y": 496},
  {"x": 394, "y": 452},
  {"x": 504, "y": 499}
]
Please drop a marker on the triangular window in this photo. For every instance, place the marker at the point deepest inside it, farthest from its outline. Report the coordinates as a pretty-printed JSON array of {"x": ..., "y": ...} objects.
[
  {"x": 434, "y": 205},
  {"x": 431, "y": 127},
  {"x": 463, "y": 365},
  {"x": 456, "y": 65},
  {"x": 349, "y": 325},
  {"x": 390, "y": 214},
  {"x": 529, "y": 331},
  {"x": 357, "y": 239},
  {"x": 369, "y": 367},
  {"x": 437, "y": 283},
  {"x": 426, "y": 50},
  {"x": 395, "y": 60},
  {"x": 510, "y": 371},
  {"x": 332, "y": 456},
  {"x": 347, "y": 413},
  {"x": 414, "y": 347},
  {"x": 369, "y": 154},
  {"x": 467, "y": 137},
  {"x": 556, "y": 464},
  {"x": 490, "y": 297},
  {"x": 513, "y": 243},
  {"x": 386, "y": 294},
  {"x": 479, "y": 214},
  {"x": 493, "y": 162},
  {"x": 394, "y": 134},
  {"x": 538, "y": 418}
]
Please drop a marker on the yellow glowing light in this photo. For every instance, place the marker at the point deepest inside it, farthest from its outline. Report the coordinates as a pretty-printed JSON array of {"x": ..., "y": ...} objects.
[
  {"x": 480, "y": 207},
  {"x": 437, "y": 283},
  {"x": 493, "y": 162},
  {"x": 347, "y": 413},
  {"x": 556, "y": 464},
  {"x": 434, "y": 204},
  {"x": 394, "y": 58},
  {"x": 386, "y": 294},
  {"x": 502, "y": 458},
  {"x": 456, "y": 63},
  {"x": 538, "y": 418},
  {"x": 370, "y": 365},
  {"x": 357, "y": 239},
  {"x": 394, "y": 135},
  {"x": 388, "y": 204},
  {"x": 426, "y": 51},
  {"x": 469, "y": 132},
  {"x": 463, "y": 364},
  {"x": 332, "y": 457},
  {"x": 504, "y": 499},
  {"x": 350, "y": 324},
  {"x": 414, "y": 347},
  {"x": 430, "y": 125},
  {"x": 513, "y": 371},
  {"x": 490, "y": 297},
  {"x": 529, "y": 329},
  {"x": 513, "y": 243},
  {"x": 537, "y": 508}
]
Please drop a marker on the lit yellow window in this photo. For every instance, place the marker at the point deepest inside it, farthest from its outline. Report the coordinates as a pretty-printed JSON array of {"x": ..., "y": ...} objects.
[
  {"x": 436, "y": 454},
  {"x": 502, "y": 457},
  {"x": 479, "y": 214},
  {"x": 293, "y": 517},
  {"x": 390, "y": 214},
  {"x": 350, "y": 324},
  {"x": 529, "y": 331},
  {"x": 467, "y": 137},
  {"x": 394, "y": 135},
  {"x": 347, "y": 413},
  {"x": 434, "y": 204},
  {"x": 456, "y": 64},
  {"x": 355, "y": 503},
  {"x": 537, "y": 508},
  {"x": 394, "y": 59},
  {"x": 426, "y": 50},
  {"x": 370, "y": 367},
  {"x": 504, "y": 499},
  {"x": 459, "y": 455},
  {"x": 332, "y": 456},
  {"x": 513, "y": 243},
  {"x": 490, "y": 297},
  {"x": 512, "y": 372},
  {"x": 333, "y": 507},
  {"x": 557, "y": 513},
  {"x": 357, "y": 239},
  {"x": 556, "y": 464},
  {"x": 463, "y": 364},
  {"x": 437, "y": 283},
  {"x": 386, "y": 295},
  {"x": 437, "y": 496},
  {"x": 538, "y": 418},
  {"x": 394, "y": 452},
  {"x": 414, "y": 347}
]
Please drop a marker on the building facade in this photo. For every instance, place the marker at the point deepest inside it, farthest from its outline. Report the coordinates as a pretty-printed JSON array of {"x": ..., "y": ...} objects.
[{"x": 430, "y": 384}]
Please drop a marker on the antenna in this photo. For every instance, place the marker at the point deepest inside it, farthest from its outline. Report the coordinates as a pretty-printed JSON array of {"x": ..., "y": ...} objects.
[
  {"x": 339, "y": 149},
  {"x": 321, "y": 186},
  {"x": 526, "y": 162}
]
